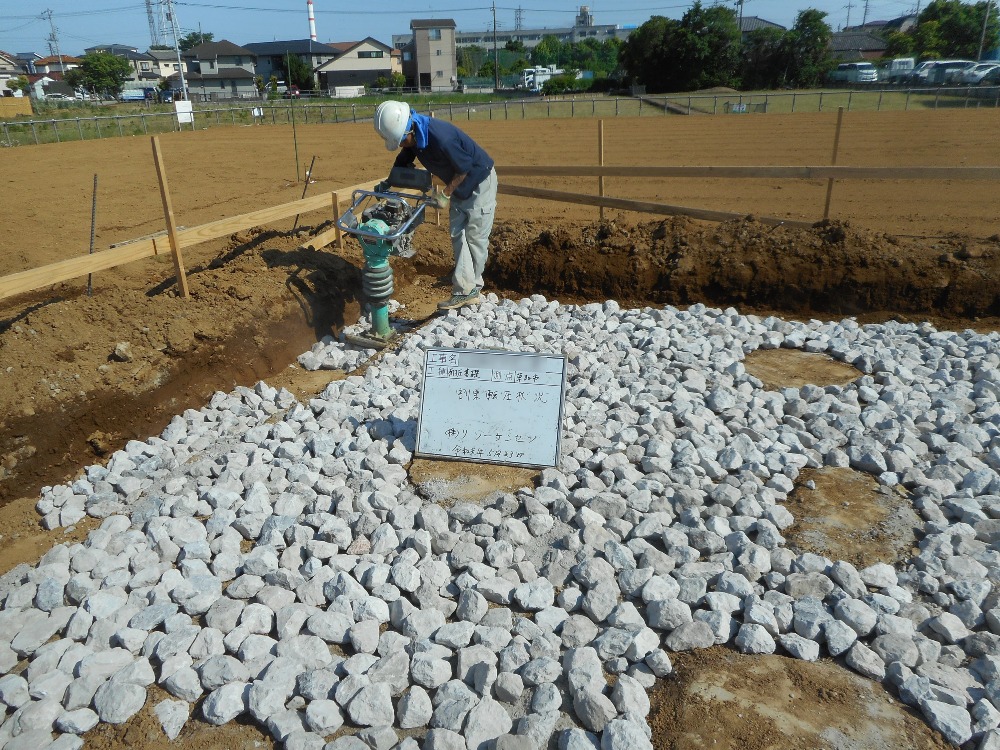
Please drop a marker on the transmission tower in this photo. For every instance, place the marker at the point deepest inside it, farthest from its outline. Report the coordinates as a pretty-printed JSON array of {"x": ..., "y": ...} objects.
[
  {"x": 155, "y": 26},
  {"x": 518, "y": 19}
]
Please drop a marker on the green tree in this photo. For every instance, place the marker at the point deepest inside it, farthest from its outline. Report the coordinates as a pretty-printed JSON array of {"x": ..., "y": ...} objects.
[
  {"x": 927, "y": 40},
  {"x": 21, "y": 83},
  {"x": 548, "y": 51},
  {"x": 899, "y": 44},
  {"x": 699, "y": 51},
  {"x": 762, "y": 59},
  {"x": 960, "y": 27},
  {"x": 298, "y": 73},
  {"x": 101, "y": 74},
  {"x": 189, "y": 41},
  {"x": 644, "y": 53},
  {"x": 710, "y": 39},
  {"x": 807, "y": 49},
  {"x": 469, "y": 60},
  {"x": 514, "y": 45}
]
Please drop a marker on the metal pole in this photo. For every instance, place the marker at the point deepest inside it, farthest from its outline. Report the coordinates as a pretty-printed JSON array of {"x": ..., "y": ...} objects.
[
  {"x": 833, "y": 162},
  {"x": 291, "y": 110},
  {"x": 93, "y": 220},
  {"x": 79, "y": 128},
  {"x": 304, "y": 189},
  {"x": 177, "y": 50},
  {"x": 986, "y": 20}
]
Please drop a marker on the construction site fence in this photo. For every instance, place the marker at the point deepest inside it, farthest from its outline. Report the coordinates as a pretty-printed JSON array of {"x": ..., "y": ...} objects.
[{"x": 59, "y": 129}]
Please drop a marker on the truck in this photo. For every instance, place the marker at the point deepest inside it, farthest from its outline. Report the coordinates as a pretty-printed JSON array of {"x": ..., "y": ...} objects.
[{"x": 534, "y": 78}]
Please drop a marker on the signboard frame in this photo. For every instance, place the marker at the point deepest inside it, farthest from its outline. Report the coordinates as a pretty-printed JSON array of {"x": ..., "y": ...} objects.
[{"x": 475, "y": 387}]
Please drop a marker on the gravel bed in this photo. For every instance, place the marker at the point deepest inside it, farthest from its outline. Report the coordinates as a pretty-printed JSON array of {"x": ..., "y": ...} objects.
[{"x": 268, "y": 558}]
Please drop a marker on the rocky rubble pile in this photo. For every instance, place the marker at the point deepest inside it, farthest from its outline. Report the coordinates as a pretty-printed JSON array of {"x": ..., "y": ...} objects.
[{"x": 268, "y": 558}]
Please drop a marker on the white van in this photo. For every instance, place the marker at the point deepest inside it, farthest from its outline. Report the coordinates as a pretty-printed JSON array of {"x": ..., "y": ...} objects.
[
  {"x": 854, "y": 72},
  {"x": 942, "y": 72}
]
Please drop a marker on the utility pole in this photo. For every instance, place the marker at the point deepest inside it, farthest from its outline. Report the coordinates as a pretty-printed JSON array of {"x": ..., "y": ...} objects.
[
  {"x": 740, "y": 23},
  {"x": 54, "y": 41},
  {"x": 986, "y": 20},
  {"x": 848, "y": 6},
  {"x": 518, "y": 19},
  {"x": 864, "y": 18},
  {"x": 172, "y": 17},
  {"x": 496, "y": 55}
]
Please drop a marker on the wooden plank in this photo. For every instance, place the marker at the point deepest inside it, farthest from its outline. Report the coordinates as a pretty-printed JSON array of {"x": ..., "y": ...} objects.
[
  {"x": 778, "y": 172},
  {"x": 223, "y": 227},
  {"x": 321, "y": 240},
  {"x": 168, "y": 216},
  {"x": 64, "y": 270},
  {"x": 639, "y": 206}
]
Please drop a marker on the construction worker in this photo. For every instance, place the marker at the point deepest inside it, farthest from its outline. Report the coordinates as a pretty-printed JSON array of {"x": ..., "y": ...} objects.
[{"x": 469, "y": 192}]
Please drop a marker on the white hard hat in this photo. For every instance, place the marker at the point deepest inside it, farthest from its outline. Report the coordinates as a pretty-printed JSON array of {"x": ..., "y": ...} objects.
[{"x": 391, "y": 119}]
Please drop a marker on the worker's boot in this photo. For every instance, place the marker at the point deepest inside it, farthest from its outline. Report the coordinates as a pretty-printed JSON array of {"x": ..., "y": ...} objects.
[{"x": 460, "y": 300}]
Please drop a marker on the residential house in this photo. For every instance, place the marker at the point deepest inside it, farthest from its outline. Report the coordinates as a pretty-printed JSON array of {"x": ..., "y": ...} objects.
[
  {"x": 56, "y": 65},
  {"x": 218, "y": 70},
  {"x": 165, "y": 62},
  {"x": 902, "y": 24},
  {"x": 359, "y": 64},
  {"x": 851, "y": 46},
  {"x": 121, "y": 50},
  {"x": 429, "y": 62},
  {"x": 749, "y": 24},
  {"x": 26, "y": 60},
  {"x": 145, "y": 68},
  {"x": 272, "y": 56},
  {"x": 9, "y": 68}
]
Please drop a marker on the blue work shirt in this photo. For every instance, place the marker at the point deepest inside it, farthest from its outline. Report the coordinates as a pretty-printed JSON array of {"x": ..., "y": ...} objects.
[{"x": 448, "y": 152}]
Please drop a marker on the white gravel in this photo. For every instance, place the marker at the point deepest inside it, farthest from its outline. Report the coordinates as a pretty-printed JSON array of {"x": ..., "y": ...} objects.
[{"x": 661, "y": 530}]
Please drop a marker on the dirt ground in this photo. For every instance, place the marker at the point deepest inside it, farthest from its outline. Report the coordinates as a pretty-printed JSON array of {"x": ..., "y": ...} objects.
[{"x": 82, "y": 374}]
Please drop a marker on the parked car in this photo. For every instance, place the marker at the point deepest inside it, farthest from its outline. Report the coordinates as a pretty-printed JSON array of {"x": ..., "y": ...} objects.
[
  {"x": 854, "y": 72},
  {"x": 292, "y": 92},
  {"x": 944, "y": 72},
  {"x": 972, "y": 76},
  {"x": 991, "y": 78},
  {"x": 918, "y": 76}
]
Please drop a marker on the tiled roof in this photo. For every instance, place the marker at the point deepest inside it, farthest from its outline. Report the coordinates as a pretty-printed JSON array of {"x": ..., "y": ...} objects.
[
  {"x": 215, "y": 49},
  {"x": 432, "y": 23},
  {"x": 861, "y": 41},
  {"x": 753, "y": 23},
  {"x": 294, "y": 46}
]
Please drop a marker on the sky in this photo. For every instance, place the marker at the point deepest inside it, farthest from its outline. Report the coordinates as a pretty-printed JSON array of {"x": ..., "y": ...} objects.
[{"x": 25, "y": 24}]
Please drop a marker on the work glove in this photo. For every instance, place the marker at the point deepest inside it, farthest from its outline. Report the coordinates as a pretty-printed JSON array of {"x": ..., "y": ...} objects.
[
  {"x": 439, "y": 199},
  {"x": 383, "y": 187}
]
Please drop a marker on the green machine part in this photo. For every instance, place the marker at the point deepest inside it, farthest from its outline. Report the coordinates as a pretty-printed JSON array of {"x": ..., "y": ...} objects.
[{"x": 376, "y": 276}]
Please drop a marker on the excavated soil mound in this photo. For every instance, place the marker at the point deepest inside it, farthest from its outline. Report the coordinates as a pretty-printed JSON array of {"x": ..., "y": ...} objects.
[{"x": 832, "y": 268}]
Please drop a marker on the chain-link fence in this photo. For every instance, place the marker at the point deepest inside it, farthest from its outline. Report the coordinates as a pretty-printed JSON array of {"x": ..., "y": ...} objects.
[{"x": 57, "y": 129}]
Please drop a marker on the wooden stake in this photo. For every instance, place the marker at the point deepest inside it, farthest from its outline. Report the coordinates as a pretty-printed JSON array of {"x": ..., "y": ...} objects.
[
  {"x": 833, "y": 162},
  {"x": 168, "y": 215},
  {"x": 600, "y": 161}
]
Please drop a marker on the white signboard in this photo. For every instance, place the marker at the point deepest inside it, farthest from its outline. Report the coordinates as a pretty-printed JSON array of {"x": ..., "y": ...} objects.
[
  {"x": 493, "y": 407},
  {"x": 185, "y": 112}
]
